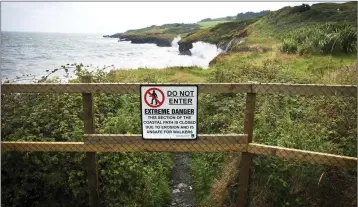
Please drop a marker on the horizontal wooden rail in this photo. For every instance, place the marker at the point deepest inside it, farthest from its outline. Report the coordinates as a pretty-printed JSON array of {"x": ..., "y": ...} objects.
[
  {"x": 271, "y": 88},
  {"x": 303, "y": 155},
  {"x": 47, "y": 147},
  {"x": 204, "y": 143},
  {"x": 203, "y": 139},
  {"x": 134, "y": 143},
  {"x": 306, "y": 89},
  {"x": 116, "y": 87}
]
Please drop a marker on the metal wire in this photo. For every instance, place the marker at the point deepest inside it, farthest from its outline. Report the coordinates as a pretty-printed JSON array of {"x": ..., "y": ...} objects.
[{"x": 280, "y": 108}]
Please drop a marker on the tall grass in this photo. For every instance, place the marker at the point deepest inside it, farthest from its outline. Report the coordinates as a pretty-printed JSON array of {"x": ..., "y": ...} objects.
[{"x": 329, "y": 38}]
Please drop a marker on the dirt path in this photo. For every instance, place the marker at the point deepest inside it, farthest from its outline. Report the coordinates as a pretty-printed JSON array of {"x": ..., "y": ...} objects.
[{"x": 181, "y": 184}]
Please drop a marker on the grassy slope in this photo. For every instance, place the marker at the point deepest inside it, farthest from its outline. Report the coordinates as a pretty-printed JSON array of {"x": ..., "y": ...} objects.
[
  {"x": 169, "y": 75},
  {"x": 273, "y": 66},
  {"x": 208, "y": 24},
  {"x": 223, "y": 31},
  {"x": 289, "y": 121},
  {"x": 275, "y": 26},
  {"x": 167, "y": 31},
  {"x": 261, "y": 34},
  {"x": 241, "y": 16}
]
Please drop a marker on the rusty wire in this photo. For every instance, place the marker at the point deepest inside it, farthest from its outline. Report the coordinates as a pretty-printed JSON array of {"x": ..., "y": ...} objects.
[
  {"x": 205, "y": 143},
  {"x": 260, "y": 148}
]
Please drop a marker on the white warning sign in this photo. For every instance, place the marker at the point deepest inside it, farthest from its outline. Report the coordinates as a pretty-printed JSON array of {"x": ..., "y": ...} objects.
[{"x": 169, "y": 112}]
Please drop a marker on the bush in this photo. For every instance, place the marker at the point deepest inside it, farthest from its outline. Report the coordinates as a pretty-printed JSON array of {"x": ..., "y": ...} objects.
[
  {"x": 300, "y": 9},
  {"x": 289, "y": 46},
  {"x": 59, "y": 178},
  {"x": 322, "y": 39}
]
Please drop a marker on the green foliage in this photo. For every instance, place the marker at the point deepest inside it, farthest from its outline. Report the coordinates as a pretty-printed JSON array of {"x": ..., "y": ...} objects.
[
  {"x": 126, "y": 120},
  {"x": 180, "y": 28},
  {"x": 131, "y": 179},
  {"x": 324, "y": 124},
  {"x": 209, "y": 24},
  {"x": 239, "y": 16},
  {"x": 135, "y": 179},
  {"x": 205, "y": 20},
  {"x": 40, "y": 178},
  {"x": 166, "y": 31},
  {"x": 281, "y": 22},
  {"x": 176, "y": 28},
  {"x": 248, "y": 15},
  {"x": 289, "y": 46},
  {"x": 300, "y": 9},
  {"x": 222, "y": 31},
  {"x": 322, "y": 39},
  {"x": 59, "y": 179},
  {"x": 205, "y": 168}
]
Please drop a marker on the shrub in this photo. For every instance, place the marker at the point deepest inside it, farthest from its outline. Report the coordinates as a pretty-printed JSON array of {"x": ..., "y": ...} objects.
[
  {"x": 300, "y": 9},
  {"x": 289, "y": 46},
  {"x": 322, "y": 39}
]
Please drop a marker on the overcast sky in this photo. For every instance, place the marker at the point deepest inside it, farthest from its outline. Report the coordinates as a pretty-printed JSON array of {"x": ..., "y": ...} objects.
[{"x": 112, "y": 17}]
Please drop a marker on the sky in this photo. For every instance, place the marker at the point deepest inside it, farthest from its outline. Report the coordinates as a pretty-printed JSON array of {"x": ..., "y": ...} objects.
[{"x": 113, "y": 17}]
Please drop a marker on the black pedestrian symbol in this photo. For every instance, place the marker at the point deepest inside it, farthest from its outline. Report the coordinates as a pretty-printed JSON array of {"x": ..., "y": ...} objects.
[
  {"x": 154, "y": 98},
  {"x": 151, "y": 96}
]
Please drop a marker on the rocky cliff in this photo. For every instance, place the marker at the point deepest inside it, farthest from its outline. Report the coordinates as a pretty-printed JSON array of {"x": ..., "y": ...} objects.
[
  {"x": 117, "y": 35},
  {"x": 159, "y": 41},
  {"x": 184, "y": 48}
]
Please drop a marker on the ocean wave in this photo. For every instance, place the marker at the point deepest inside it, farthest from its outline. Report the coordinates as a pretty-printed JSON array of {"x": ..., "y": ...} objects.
[{"x": 25, "y": 56}]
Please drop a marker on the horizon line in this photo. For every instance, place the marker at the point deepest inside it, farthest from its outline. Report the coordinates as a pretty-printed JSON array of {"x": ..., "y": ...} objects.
[{"x": 56, "y": 32}]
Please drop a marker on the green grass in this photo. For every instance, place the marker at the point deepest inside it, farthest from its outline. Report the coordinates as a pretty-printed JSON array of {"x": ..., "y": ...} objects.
[
  {"x": 208, "y": 24},
  {"x": 168, "y": 75},
  {"x": 278, "y": 24},
  {"x": 167, "y": 31},
  {"x": 223, "y": 31},
  {"x": 324, "y": 124}
]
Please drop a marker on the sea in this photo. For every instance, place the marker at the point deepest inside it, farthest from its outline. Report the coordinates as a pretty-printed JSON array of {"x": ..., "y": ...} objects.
[{"x": 26, "y": 57}]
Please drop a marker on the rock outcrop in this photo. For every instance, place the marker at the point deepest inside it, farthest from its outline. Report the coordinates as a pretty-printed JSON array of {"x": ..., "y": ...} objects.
[
  {"x": 226, "y": 45},
  {"x": 160, "y": 42},
  {"x": 184, "y": 48},
  {"x": 117, "y": 35}
]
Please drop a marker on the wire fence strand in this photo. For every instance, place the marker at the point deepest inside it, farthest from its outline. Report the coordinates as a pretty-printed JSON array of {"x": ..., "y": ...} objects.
[{"x": 299, "y": 129}]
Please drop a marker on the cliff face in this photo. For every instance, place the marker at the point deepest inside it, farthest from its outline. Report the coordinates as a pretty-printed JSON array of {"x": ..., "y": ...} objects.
[
  {"x": 117, "y": 35},
  {"x": 224, "y": 36},
  {"x": 141, "y": 39},
  {"x": 162, "y": 35},
  {"x": 184, "y": 48},
  {"x": 160, "y": 42},
  {"x": 225, "y": 45}
]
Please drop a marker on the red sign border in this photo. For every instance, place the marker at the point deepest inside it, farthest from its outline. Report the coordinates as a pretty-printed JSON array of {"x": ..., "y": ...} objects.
[
  {"x": 147, "y": 92},
  {"x": 168, "y": 85}
]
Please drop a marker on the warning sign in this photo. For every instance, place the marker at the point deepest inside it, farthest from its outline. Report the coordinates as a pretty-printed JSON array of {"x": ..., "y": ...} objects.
[
  {"x": 156, "y": 101},
  {"x": 169, "y": 112}
]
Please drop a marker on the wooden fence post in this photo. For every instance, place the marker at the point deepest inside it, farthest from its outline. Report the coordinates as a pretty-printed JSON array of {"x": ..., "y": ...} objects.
[
  {"x": 90, "y": 159},
  {"x": 245, "y": 163}
]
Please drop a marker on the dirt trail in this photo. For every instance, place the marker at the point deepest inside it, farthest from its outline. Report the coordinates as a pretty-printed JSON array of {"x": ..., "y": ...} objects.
[{"x": 181, "y": 184}]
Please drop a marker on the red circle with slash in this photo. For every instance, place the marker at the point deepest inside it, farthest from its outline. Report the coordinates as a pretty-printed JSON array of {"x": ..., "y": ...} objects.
[{"x": 159, "y": 103}]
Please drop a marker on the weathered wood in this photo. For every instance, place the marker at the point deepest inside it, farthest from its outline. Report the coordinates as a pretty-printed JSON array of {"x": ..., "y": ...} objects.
[
  {"x": 90, "y": 160},
  {"x": 303, "y": 155},
  {"x": 260, "y": 149},
  {"x": 45, "y": 147},
  {"x": 245, "y": 163},
  {"x": 271, "y": 88},
  {"x": 203, "y": 139},
  {"x": 305, "y": 89},
  {"x": 134, "y": 143},
  {"x": 169, "y": 146},
  {"x": 115, "y": 87}
]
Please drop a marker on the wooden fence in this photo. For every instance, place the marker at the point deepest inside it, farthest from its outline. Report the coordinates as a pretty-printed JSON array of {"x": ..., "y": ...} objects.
[{"x": 205, "y": 143}]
